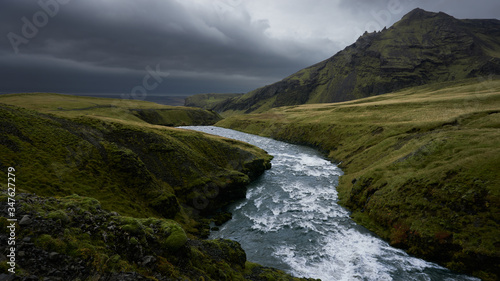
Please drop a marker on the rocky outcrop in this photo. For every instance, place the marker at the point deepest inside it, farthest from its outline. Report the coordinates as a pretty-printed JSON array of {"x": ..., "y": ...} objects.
[{"x": 73, "y": 238}]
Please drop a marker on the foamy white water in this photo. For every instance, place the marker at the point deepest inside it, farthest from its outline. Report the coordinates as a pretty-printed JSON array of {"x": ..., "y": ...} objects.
[{"x": 290, "y": 220}]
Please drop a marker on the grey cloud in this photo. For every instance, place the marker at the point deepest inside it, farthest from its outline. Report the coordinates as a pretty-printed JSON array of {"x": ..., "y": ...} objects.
[{"x": 125, "y": 37}]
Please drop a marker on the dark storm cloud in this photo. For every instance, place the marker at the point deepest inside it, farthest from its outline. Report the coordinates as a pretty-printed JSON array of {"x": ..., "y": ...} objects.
[
  {"x": 196, "y": 45},
  {"x": 130, "y": 35}
]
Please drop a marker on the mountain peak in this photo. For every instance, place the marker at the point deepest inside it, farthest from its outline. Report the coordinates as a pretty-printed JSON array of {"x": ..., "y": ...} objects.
[{"x": 420, "y": 14}]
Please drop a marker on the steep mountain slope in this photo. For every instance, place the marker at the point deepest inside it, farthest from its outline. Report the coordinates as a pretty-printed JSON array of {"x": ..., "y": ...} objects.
[{"x": 421, "y": 48}]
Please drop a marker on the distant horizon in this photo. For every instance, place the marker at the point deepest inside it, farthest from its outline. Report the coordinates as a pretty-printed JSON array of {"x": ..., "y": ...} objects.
[{"x": 166, "y": 99}]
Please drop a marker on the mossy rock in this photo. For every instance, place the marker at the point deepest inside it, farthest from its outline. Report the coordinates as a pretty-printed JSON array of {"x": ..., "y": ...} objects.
[
  {"x": 47, "y": 242},
  {"x": 115, "y": 245},
  {"x": 59, "y": 215},
  {"x": 176, "y": 238}
]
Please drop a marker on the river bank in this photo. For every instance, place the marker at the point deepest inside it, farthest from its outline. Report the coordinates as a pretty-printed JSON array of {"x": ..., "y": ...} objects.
[{"x": 420, "y": 166}]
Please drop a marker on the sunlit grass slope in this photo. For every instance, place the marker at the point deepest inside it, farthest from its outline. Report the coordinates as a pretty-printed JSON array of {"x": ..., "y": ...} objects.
[
  {"x": 118, "y": 110},
  {"x": 421, "y": 165}
]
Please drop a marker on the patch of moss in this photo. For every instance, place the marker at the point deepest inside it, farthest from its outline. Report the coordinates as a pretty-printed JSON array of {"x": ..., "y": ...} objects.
[
  {"x": 47, "y": 242},
  {"x": 176, "y": 238},
  {"x": 81, "y": 204},
  {"x": 59, "y": 215}
]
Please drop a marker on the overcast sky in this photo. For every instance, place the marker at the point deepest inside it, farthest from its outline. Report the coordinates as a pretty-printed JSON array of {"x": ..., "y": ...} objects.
[{"x": 180, "y": 47}]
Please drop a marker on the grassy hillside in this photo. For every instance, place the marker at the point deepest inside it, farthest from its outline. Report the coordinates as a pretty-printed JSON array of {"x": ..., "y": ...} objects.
[
  {"x": 118, "y": 110},
  {"x": 209, "y": 101},
  {"x": 423, "y": 47},
  {"x": 117, "y": 193},
  {"x": 84, "y": 144},
  {"x": 421, "y": 165}
]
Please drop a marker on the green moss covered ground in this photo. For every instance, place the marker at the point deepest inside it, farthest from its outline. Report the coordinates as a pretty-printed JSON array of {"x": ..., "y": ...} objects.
[
  {"x": 421, "y": 165},
  {"x": 119, "y": 197},
  {"x": 74, "y": 238}
]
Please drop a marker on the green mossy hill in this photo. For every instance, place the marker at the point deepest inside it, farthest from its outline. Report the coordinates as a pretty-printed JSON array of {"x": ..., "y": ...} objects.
[
  {"x": 112, "y": 109},
  {"x": 118, "y": 198},
  {"x": 74, "y": 238},
  {"x": 421, "y": 165},
  {"x": 210, "y": 101},
  {"x": 423, "y": 47},
  {"x": 130, "y": 166}
]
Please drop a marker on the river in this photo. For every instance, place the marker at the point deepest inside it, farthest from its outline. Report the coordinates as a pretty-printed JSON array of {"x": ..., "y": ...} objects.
[{"x": 290, "y": 220}]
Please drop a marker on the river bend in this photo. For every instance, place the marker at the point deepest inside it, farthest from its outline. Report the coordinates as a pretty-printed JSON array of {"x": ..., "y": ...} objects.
[{"x": 290, "y": 220}]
